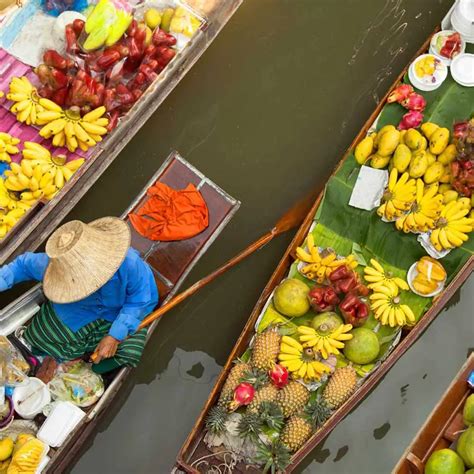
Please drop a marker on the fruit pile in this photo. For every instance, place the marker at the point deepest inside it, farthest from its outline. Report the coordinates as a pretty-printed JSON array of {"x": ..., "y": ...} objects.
[
  {"x": 430, "y": 276},
  {"x": 462, "y": 168},
  {"x": 421, "y": 195},
  {"x": 21, "y": 455},
  {"x": 415, "y": 103},
  {"x": 461, "y": 459}
]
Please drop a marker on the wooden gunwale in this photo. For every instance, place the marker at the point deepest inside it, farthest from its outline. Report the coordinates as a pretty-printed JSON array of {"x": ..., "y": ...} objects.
[
  {"x": 196, "y": 434},
  {"x": 441, "y": 427},
  {"x": 30, "y": 235}
]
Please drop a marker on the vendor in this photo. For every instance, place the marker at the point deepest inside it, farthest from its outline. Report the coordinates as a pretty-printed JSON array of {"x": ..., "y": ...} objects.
[{"x": 98, "y": 291}]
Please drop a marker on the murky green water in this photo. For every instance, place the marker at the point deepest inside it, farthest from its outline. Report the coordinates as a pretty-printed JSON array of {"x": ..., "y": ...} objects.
[{"x": 267, "y": 112}]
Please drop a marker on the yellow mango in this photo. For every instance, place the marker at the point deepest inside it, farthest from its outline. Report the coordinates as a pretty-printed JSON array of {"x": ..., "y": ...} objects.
[
  {"x": 431, "y": 268},
  {"x": 433, "y": 173},
  {"x": 381, "y": 133},
  {"x": 401, "y": 158},
  {"x": 448, "y": 155},
  {"x": 379, "y": 162},
  {"x": 388, "y": 142},
  {"x": 413, "y": 139},
  {"x": 364, "y": 149},
  {"x": 439, "y": 141},
  {"x": 428, "y": 187},
  {"x": 402, "y": 137},
  {"x": 450, "y": 195},
  {"x": 444, "y": 187},
  {"x": 418, "y": 164},
  {"x": 447, "y": 176},
  {"x": 472, "y": 200},
  {"x": 423, "y": 285},
  {"x": 428, "y": 128},
  {"x": 430, "y": 157},
  {"x": 465, "y": 202}
]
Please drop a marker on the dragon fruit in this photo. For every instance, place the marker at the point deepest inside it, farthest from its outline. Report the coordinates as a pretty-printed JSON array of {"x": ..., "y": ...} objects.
[
  {"x": 278, "y": 375},
  {"x": 243, "y": 395},
  {"x": 411, "y": 119},
  {"x": 400, "y": 94},
  {"x": 414, "y": 102}
]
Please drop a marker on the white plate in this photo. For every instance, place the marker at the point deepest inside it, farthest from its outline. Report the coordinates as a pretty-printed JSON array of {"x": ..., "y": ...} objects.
[
  {"x": 441, "y": 73},
  {"x": 462, "y": 69},
  {"x": 412, "y": 273},
  {"x": 434, "y": 52}
]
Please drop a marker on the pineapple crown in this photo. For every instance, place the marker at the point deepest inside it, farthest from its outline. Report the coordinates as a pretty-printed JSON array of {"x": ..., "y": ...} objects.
[
  {"x": 316, "y": 412},
  {"x": 257, "y": 378},
  {"x": 271, "y": 415},
  {"x": 216, "y": 419},
  {"x": 274, "y": 458},
  {"x": 250, "y": 426}
]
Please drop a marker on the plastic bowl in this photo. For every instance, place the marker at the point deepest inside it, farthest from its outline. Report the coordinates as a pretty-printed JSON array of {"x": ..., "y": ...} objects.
[
  {"x": 434, "y": 51},
  {"x": 427, "y": 83},
  {"x": 462, "y": 19},
  {"x": 412, "y": 273},
  {"x": 31, "y": 399},
  {"x": 5, "y": 422},
  {"x": 462, "y": 69}
]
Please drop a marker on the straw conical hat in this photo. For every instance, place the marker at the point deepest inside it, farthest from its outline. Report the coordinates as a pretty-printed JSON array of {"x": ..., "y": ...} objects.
[{"x": 83, "y": 257}]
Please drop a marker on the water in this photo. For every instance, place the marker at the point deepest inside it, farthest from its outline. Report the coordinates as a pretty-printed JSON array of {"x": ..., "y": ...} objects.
[{"x": 266, "y": 113}]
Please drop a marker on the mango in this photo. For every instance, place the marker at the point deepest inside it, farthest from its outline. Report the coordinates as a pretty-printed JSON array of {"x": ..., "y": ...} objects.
[
  {"x": 430, "y": 157},
  {"x": 364, "y": 149},
  {"x": 418, "y": 164},
  {"x": 439, "y": 141},
  {"x": 166, "y": 18},
  {"x": 472, "y": 200},
  {"x": 402, "y": 137},
  {"x": 388, "y": 142},
  {"x": 152, "y": 18},
  {"x": 450, "y": 195},
  {"x": 379, "y": 162},
  {"x": 448, "y": 155},
  {"x": 447, "y": 176},
  {"x": 428, "y": 128},
  {"x": 6, "y": 448},
  {"x": 401, "y": 158},
  {"x": 433, "y": 172},
  {"x": 413, "y": 139},
  {"x": 381, "y": 133},
  {"x": 431, "y": 268},
  {"x": 435, "y": 186},
  {"x": 423, "y": 285},
  {"x": 465, "y": 202},
  {"x": 444, "y": 187},
  {"x": 423, "y": 144}
]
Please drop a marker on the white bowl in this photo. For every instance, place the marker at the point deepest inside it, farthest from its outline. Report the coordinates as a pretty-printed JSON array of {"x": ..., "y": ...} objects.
[
  {"x": 462, "y": 69},
  {"x": 31, "y": 399},
  {"x": 462, "y": 19},
  {"x": 434, "y": 51},
  {"x": 441, "y": 73},
  {"x": 412, "y": 273}
]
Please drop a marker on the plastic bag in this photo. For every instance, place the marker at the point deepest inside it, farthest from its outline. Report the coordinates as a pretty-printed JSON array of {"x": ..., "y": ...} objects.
[
  {"x": 56, "y": 7},
  {"x": 77, "y": 383},
  {"x": 27, "y": 454},
  {"x": 427, "y": 277},
  {"x": 13, "y": 367},
  {"x": 106, "y": 24}
]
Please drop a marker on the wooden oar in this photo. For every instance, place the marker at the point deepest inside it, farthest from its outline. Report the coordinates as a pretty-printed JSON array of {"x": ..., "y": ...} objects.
[{"x": 292, "y": 218}]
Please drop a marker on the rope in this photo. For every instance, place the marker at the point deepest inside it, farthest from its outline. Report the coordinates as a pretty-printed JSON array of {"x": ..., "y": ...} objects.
[{"x": 225, "y": 467}]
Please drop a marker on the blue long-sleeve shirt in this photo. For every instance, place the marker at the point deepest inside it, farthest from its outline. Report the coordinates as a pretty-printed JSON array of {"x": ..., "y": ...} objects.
[{"x": 124, "y": 300}]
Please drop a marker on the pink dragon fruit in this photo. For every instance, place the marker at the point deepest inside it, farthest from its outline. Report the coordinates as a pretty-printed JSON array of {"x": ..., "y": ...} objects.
[
  {"x": 414, "y": 102},
  {"x": 411, "y": 119},
  {"x": 400, "y": 93},
  {"x": 243, "y": 395}
]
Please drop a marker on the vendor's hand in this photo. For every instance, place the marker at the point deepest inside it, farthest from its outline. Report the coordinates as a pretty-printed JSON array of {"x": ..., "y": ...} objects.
[{"x": 106, "y": 348}]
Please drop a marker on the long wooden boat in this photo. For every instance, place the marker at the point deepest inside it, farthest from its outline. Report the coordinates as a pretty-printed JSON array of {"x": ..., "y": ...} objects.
[
  {"x": 39, "y": 222},
  {"x": 194, "y": 448},
  {"x": 170, "y": 262},
  {"x": 442, "y": 427}
]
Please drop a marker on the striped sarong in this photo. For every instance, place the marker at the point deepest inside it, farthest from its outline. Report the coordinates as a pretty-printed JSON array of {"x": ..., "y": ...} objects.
[{"x": 50, "y": 336}]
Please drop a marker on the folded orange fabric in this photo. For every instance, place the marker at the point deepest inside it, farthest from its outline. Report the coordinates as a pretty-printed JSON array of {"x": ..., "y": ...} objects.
[{"x": 170, "y": 214}]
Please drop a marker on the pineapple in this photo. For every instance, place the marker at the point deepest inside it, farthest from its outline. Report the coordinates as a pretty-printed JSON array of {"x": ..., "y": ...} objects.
[
  {"x": 271, "y": 415},
  {"x": 265, "y": 349},
  {"x": 292, "y": 398},
  {"x": 340, "y": 387},
  {"x": 274, "y": 457},
  {"x": 250, "y": 426},
  {"x": 296, "y": 432},
  {"x": 268, "y": 393},
  {"x": 233, "y": 379},
  {"x": 317, "y": 412},
  {"x": 216, "y": 419}
]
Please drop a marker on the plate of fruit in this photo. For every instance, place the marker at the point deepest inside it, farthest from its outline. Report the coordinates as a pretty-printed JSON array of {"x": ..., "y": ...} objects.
[
  {"x": 427, "y": 72},
  {"x": 427, "y": 277},
  {"x": 446, "y": 45}
]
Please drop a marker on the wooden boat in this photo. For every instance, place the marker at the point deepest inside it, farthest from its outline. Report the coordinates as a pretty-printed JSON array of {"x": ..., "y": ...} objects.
[
  {"x": 194, "y": 448},
  {"x": 42, "y": 218},
  {"x": 170, "y": 262},
  {"x": 442, "y": 427}
]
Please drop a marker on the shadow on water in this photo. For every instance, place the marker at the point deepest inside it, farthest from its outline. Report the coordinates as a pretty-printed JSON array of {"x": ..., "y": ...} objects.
[{"x": 267, "y": 112}]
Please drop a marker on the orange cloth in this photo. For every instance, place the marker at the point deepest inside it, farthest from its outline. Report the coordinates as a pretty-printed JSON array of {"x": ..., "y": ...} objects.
[{"x": 169, "y": 214}]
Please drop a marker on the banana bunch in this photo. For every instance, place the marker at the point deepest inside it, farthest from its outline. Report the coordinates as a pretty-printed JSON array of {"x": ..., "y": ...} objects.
[
  {"x": 10, "y": 200},
  {"x": 398, "y": 197},
  {"x": 376, "y": 276},
  {"x": 326, "y": 344},
  {"x": 8, "y": 220},
  {"x": 27, "y": 101},
  {"x": 387, "y": 308},
  {"x": 424, "y": 211},
  {"x": 452, "y": 227},
  {"x": 54, "y": 169},
  {"x": 299, "y": 361},
  {"x": 31, "y": 182},
  {"x": 8, "y": 147},
  {"x": 319, "y": 265},
  {"x": 69, "y": 129}
]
